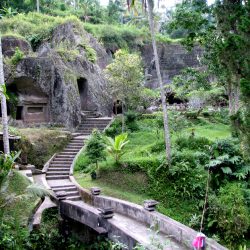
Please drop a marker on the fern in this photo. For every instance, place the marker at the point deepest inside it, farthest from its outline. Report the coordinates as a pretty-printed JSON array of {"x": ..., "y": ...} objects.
[{"x": 226, "y": 170}]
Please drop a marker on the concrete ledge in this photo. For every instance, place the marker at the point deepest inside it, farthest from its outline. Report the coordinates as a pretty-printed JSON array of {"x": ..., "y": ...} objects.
[{"x": 47, "y": 203}]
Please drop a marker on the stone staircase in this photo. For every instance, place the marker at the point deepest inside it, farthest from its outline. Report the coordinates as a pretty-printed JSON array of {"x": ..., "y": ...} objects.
[{"x": 58, "y": 171}]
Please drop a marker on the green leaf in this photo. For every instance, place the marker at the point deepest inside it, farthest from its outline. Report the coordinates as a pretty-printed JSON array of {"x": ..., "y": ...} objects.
[{"x": 226, "y": 170}]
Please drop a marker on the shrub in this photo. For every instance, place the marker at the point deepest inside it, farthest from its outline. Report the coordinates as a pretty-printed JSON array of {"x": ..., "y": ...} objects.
[
  {"x": 191, "y": 114},
  {"x": 90, "y": 52},
  {"x": 6, "y": 164},
  {"x": 158, "y": 146},
  {"x": 192, "y": 143},
  {"x": 226, "y": 146},
  {"x": 95, "y": 148},
  {"x": 81, "y": 163},
  {"x": 115, "y": 128},
  {"x": 144, "y": 164},
  {"x": 17, "y": 57},
  {"x": 117, "y": 36},
  {"x": 229, "y": 214},
  {"x": 131, "y": 118}
]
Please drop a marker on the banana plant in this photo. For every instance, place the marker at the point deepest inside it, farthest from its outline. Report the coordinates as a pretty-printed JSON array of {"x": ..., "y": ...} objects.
[{"x": 115, "y": 147}]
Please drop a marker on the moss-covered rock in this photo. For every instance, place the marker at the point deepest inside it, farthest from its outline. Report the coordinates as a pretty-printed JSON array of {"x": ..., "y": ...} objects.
[{"x": 39, "y": 144}]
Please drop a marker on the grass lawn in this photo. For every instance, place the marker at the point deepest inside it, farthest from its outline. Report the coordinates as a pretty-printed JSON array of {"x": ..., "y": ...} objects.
[
  {"x": 111, "y": 189},
  {"x": 211, "y": 131}
]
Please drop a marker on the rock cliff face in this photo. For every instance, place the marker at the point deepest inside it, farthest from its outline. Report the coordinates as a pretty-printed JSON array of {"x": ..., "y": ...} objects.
[
  {"x": 60, "y": 80},
  {"x": 173, "y": 59},
  {"x": 64, "y": 75},
  {"x": 9, "y": 44}
]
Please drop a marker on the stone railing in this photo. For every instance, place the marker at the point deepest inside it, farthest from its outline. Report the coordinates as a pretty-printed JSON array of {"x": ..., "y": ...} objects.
[{"x": 183, "y": 234}]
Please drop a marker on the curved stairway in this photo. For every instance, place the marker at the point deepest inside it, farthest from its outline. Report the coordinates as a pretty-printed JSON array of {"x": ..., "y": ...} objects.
[{"x": 58, "y": 172}]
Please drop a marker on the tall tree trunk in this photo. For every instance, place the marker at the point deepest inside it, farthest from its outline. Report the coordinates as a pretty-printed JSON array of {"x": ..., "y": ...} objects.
[
  {"x": 38, "y": 6},
  {"x": 163, "y": 96},
  {"x": 233, "y": 97},
  {"x": 4, "y": 107},
  {"x": 123, "y": 119}
]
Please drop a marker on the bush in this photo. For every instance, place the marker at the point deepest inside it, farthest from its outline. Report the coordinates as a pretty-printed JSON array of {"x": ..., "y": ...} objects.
[
  {"x": 115, "y": 37},
  {"x": 191, "y": 114},
  {"x": 143, "y": 164},
  {"x": 17, "y": 57},
  {"x": 131, "y": 118},
  {"x": 35, "y": 27},
  {"x": 95, "y": 148},
  {"x": 115, "y": 128},
  {"x": 158, "y": 146},
  {"x": 81, "y": 163},
  {"x": 192, "y": 143},
  {"x": 226, "y": 146},
  {"x": 229, "y": 215}
]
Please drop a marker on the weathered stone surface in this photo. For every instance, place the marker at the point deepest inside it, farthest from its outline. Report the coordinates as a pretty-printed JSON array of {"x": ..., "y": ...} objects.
[
  {"x": 10, "y": 43},
  {"x": 69, "y": 82},
  {"x": 173, "y": 58}
]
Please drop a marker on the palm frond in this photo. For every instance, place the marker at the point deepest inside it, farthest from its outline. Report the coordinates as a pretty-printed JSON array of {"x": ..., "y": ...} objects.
[{"x": 37, "y": 190}]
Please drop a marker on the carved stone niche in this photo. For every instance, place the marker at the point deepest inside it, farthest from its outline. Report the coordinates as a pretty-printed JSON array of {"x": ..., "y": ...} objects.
[
  {"x": 34, "y": 109},
  {"x": 32, "y": 103}
]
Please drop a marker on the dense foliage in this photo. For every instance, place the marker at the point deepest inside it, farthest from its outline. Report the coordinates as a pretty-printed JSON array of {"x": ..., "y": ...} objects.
[{"x": 223, "y": 30}]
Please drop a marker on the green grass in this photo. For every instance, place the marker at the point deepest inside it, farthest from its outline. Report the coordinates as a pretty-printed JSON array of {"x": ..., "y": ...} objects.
[
  {"x": 132, "y": 184},
  {"x": 211, "y": 131},
  {"x": 111, "y": 189},
  {"x": 129, "y": 187}
]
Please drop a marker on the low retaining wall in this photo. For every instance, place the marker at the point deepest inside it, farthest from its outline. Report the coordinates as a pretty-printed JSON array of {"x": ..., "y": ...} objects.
[{"x": 180, "y": 232}]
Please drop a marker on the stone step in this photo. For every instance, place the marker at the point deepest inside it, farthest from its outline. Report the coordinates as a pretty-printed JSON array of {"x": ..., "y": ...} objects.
[
  {"x": 63, "y": 186},
  {"x": 76, "y": 140},
  {"x": 74, "y": 198},
  {"x": 66, "y": 189},
  {"x": 56, "y": 169},
  {"x": 84, "y": 133},
  {"x": 91, "y": 129},
  {"x": 68, "y": 153},
  {"x": 59, "y": 173},
  {"x": 73, "y": 146},
  {"x": 57, "y": 177},
  {"x": 65, "y": 156},
  {"x": 61, "y": 159},
  {"x": 96, "y": 121},
  {"x": 70, "y": 193},
  {"x": 60, "y": 164},
  {"x": 68, "y": 150},
  {"x": 88, "y": 111},
  {"x": 91, "y": 125}
]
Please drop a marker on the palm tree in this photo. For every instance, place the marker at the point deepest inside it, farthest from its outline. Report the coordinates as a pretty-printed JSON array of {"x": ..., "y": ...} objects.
[
  {"x": 4, "y": 105},
  {"x": 150, "y": 4}
]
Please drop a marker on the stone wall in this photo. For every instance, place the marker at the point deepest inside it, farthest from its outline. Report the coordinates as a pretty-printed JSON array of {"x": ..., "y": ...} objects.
[{"x": 173, "y": 59}]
